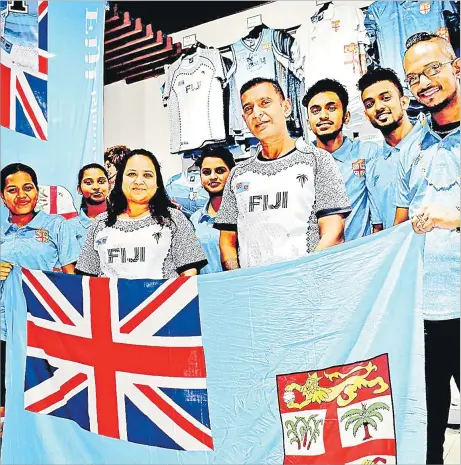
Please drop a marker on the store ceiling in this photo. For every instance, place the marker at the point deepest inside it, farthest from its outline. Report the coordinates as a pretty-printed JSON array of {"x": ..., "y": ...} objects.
[{"x": 174, "y": 16}]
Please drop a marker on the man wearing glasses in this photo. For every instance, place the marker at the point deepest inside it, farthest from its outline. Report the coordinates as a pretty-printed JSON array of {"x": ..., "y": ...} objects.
[{"x": 428, "y": 192}]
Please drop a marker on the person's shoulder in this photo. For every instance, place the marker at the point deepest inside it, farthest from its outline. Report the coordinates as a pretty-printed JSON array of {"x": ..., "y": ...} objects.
[
  {"x": 176, "y": 215},
  {"x": 195, "y": 217},
  {"x": 368, "y": 149},
  {"x": 101, "y": 218}
]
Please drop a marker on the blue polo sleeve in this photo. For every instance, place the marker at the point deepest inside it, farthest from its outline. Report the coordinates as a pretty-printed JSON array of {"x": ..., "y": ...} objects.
[
  {"x": 403, "y": 192},
  {"x": 68, "y": 246}
]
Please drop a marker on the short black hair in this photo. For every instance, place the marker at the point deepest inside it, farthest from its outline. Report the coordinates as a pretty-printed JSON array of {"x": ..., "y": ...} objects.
[
  {"x": 327, "y": 85},
  {"x": 216, "y": 152},
  {"x": 379, "y": 75},
  {"x": 256, "y": 81},
  {"x": 427, "y": 37},
  {"x": 15, "y": 168},
  {"x": 116, "y": 154}
]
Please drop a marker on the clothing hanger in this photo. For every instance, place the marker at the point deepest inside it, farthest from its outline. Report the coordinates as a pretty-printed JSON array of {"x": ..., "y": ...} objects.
[
  {"x": 193, "y": 48},
  {"x": 324, "y": 7},
  {"x": 255, "y": 32}
]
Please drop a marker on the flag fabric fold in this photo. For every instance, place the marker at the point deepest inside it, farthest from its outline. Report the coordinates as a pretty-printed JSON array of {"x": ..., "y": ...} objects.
[{"x": 316, "y": 360}]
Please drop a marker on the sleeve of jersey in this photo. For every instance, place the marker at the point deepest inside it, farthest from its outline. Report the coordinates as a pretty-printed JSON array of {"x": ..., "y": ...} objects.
[
  {"x": 219, "y": 65},
  {"x": 226, "y": 219},
  {"x": 402, "y": 192},
  {"x": 88, "y": 261},
  {"x": 298, "y": 53},
  {"x": 186, "y": 250},
  {"x": 330, "y": 190},
  {"x": 68, "y": 246},
  {"x": 167, "y": 85}
]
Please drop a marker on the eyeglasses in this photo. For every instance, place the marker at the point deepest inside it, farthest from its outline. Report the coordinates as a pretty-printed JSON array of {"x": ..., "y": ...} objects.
[{"x": 430, "y": 71}]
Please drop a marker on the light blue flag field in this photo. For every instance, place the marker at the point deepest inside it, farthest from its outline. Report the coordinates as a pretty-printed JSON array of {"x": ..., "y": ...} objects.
[{"x": 318, "y": 360}]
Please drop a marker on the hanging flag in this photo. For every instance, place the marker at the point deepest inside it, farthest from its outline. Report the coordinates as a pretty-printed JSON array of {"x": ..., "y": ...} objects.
[{"x": 315, "y": 361}]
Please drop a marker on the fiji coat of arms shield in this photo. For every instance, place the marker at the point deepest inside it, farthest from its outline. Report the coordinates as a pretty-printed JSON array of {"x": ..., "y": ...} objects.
[{"x": 342, "y": 414}]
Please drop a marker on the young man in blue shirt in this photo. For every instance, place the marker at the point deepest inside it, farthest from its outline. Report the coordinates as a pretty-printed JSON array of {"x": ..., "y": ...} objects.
[
  {"x": 429, "y": 194},
  {"x": 386, "y": 108},
  {"x": 326, "y": 102}
]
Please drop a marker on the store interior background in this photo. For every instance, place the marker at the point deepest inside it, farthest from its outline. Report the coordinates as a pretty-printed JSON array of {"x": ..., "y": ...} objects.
[{"x": 134, "y": 114}]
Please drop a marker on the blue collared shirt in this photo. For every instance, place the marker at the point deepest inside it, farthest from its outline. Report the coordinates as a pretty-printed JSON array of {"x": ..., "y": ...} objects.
[
  {"x": 352, "y": 159},
  {"x": 45, "y": 243},
  {"x": 382, "y": 175},
  {"x": 433, "y": 177},
  {"x": 79, "y": 226},
  {"x": 208, "y": 238}
]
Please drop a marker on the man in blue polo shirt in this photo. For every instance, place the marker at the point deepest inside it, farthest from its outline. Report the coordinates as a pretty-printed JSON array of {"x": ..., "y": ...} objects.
[
  {"x": 429, "y": 194},
  {"x": 326, "y": 102},
  {"x": 386, "y": 108}
]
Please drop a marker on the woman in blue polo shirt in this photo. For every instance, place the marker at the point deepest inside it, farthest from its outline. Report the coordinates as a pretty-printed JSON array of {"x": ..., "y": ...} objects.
[
  {"x": 35, "y": 240},
  {"x": 215, "y": 166},
  {"x": 93, "y": 186}
]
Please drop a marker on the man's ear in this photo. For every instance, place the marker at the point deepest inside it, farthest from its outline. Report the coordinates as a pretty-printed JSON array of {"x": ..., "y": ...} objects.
[
  {"x": 347, "y": 117},
  {"x": 457, "y": 66},
  {"x": 287, "y": 107},
  {"x": 405, "y": 102}
]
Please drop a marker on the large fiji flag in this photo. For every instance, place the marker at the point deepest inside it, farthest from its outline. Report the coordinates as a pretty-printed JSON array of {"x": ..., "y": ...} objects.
[
  {"x": 24, "y": 70},
  {"x": 120, "y": 361}
]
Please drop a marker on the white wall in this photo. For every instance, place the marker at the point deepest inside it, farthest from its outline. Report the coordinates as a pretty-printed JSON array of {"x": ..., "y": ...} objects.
[{"x": 134, "y": 114}]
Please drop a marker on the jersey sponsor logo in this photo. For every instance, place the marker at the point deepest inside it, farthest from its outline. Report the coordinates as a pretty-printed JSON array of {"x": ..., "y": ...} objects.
[
  {"x": 255, "y": 62},
  {"x": 101, "y": 241},
  {"x": 267, "y": 46},
  {"x": 181, "y": 83},
  {"x": 281, "y": 201},
  {"x": 335, "y": 25},
  {"x": 358, "y": 168},
  {"x": 42, "y": 235},
  {"x": 424, "y": 8},
  {"x": 118, "y": 254},
  {"x": 351, "y": 55},
  {"x": 242, "y": 187}
]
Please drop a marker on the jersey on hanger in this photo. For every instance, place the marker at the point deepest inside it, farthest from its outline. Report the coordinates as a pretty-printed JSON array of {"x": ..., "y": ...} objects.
[
  {"x": 186, "y": 190},
  {"x": 392, "y": 23},
  {"x": 332, "y": 44},
  {"x": 194, "y": 95}
]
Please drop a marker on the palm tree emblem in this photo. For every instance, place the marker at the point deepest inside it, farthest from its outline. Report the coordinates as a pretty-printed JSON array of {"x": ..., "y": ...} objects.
[
  {"x": 301, "y": 430},
  {"x": 157, "y": 236},
  {"x": 364, "y": 417},
  {"x": 302, "y": 178}
]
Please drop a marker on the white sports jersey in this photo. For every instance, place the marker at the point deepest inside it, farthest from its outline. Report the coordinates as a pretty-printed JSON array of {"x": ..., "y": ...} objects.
[
  {"x": 274, "y": 205},
  {"x": 194, "y": 96},
  {"x": 332, "y": 44},
  {"x": 56, "y": 200},
  {"x": 143, "y": 248}
]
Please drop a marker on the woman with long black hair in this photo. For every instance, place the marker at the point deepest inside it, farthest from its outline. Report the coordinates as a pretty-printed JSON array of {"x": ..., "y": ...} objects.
[{"x": 141, "y": 235}]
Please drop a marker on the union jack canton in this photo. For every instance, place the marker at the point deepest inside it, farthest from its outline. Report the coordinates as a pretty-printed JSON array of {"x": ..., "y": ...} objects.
[
  {"x": 24, "y": 76},
  {"x": 121, "y": 358}
]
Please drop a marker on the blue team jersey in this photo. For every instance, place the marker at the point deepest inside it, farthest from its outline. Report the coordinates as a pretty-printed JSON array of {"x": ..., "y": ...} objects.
[
  {"x": 208, "y": 238},
  {"x": 186, "y": 189},
  {"x": 433, "y": 177},
  {"x": 45, "y": 243},
  {"x": 79, "y": 226},
  {"x": 398, "y": 20},
  {"x": 382, "y": 175},
  {"x": 352, "y": 159}
]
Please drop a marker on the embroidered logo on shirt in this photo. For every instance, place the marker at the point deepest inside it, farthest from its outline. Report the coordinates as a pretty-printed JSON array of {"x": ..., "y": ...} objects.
[
  {"x": 101, "y": 241},
  {"x": 358, "y": 168},
  {"x": 302, "y": 178},
  {"x": 335, "y": 25},
  {"x": 157, "y": 236},
  {"x": 424, "y": 8},
  {"x": 242, "y": 187},
  {"x": 42, "y": 235},
  {"x": 267, "y": 46}
]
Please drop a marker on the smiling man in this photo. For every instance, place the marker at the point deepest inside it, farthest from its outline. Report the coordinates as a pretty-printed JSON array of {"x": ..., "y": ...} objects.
[
  {"x": 386, "y": 109},
  {"x": 287, "y": 201},
  {"x": 326, "y": 102},
  {"x": 429, "y": 194}
]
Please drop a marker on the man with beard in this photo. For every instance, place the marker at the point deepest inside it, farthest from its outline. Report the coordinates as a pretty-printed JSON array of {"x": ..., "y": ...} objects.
[
  {"x": 428, "y": 193},
  {"x": 287, "y": 201},
  {"x": 385, "y": 107},
  {"x": 326, "y": 102}
]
